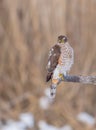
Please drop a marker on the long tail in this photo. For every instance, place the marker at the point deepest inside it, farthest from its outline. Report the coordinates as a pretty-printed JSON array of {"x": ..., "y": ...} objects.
[{"x": 53, "y": 90}]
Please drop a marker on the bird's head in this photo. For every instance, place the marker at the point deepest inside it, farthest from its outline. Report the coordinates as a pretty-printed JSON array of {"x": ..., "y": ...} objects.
[{"x": 62, "y": 39}]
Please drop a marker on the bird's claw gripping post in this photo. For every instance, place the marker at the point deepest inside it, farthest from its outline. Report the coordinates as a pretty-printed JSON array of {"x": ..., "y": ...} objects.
[{"x": 61, "y": 76}]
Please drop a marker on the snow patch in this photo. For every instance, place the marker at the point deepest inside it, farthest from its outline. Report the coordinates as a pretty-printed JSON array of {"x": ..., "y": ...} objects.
[
  {"x": 46, "y": 100},
  {"x": 28, "y": 119},
  {"x": 44, "y": 126},
  {"x": 13, "y": 125},
  {"x": 66, "y": 127},
  {"x": 44, "y": 103},
  {"x": 47, "y": 92},
  {"x": 86, "y": 118}
]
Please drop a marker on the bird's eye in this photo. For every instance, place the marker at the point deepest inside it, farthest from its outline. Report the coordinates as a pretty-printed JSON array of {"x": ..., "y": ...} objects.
[{"x": 62, "y": 41}]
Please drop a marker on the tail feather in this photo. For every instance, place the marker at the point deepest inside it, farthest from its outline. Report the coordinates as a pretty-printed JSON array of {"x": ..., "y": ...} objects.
[{"x": 53, "y": 90}]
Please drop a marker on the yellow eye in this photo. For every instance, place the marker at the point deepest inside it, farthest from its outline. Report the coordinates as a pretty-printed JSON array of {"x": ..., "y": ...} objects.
[{"x": 62, "y": 41}]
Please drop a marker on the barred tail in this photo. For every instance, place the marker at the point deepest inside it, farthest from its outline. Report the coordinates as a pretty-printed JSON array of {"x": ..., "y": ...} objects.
[{"x": 53, "y": 90}]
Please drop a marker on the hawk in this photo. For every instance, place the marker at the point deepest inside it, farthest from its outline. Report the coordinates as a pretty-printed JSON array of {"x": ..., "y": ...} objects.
[{"x": 60, "y": 60}]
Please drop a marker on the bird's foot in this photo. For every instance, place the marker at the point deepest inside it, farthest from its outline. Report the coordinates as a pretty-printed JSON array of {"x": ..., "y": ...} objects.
[{"x": 61, "y": 76}]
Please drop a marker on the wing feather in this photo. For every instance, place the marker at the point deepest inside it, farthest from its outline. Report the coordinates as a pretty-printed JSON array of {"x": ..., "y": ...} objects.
[{"x": 53, "y": 58}]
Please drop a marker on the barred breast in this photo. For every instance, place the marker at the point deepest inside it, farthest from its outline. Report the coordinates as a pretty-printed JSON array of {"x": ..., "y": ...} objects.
[{"x": 66, "y": 58}]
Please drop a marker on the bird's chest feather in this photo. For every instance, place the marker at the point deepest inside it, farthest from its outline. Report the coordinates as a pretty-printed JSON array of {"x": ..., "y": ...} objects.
[{"x": 64, "y": 57}]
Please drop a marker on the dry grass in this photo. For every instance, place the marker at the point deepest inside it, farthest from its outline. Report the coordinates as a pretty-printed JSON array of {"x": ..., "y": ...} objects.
[{"x": 27, "y": 30}]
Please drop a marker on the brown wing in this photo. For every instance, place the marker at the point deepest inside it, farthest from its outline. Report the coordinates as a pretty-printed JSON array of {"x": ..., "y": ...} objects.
[{"x": 53, "y": 58}]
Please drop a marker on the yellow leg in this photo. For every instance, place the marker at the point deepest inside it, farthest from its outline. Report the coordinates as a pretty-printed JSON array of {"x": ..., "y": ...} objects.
[{"x": 61, "y": 76}]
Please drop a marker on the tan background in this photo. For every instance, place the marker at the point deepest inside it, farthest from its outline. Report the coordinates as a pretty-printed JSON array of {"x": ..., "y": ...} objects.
[{"x": 28, "y": 28}]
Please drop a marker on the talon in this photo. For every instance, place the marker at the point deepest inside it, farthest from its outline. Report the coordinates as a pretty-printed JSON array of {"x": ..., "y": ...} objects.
[{"x": 61, "y": 76}]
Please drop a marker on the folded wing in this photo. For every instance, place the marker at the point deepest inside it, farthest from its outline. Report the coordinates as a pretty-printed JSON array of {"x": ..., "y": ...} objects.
[{"x": 53, "y": 58}]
